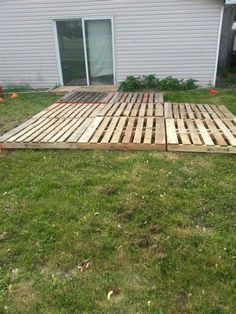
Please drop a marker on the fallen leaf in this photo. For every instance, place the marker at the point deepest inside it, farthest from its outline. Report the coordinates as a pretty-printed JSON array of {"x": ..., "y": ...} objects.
[
  {"x": 110, "y": 293},
  {"x": 84, "y": 265},
  {"x": 13, "y": 95},
  {"x": 113, "y": 292}
]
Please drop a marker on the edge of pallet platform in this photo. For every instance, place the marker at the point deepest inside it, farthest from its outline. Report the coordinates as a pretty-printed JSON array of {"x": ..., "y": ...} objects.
[
  {"x": 85, "y": 146},
  {"x": 201, "y": 149}
]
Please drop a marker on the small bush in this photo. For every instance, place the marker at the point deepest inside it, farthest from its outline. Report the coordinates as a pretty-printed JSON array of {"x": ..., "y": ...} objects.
[
  {"x": 133, "y": 84},
  {"x": 190, "y": 84},
  {"x": 171, "y": 84},
  {"x": 150, "y": 81}
]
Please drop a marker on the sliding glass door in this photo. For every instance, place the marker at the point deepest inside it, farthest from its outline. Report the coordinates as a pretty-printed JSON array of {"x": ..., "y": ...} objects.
[
  {"x": 99, "y": 51},
  {"x": 86, "y": 51},
  {"x": 71, "y": 48}
]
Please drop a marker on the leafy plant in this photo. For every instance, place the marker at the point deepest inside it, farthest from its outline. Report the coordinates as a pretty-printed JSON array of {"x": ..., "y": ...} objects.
[
  {"x": 150, "y": 81},
  {"x": 171, "y": 84},
  {"x": 190, "y": 84},
  {"x": 131, "y": 84}
]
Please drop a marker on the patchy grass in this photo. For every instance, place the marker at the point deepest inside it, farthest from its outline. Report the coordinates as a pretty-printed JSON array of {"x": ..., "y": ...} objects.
[
  {"x": 156, "y": 228},
  {"x": 225, "y": 97},
  {"x": 15, "y": 111}
]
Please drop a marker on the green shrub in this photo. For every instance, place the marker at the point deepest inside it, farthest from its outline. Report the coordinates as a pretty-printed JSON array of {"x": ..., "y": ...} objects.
[
  {"x": 189, "y": 84},
  {"x": 150, "y": 82},
  {"x": 133, "y": 84},
  {"x": 171, "y": 84}
]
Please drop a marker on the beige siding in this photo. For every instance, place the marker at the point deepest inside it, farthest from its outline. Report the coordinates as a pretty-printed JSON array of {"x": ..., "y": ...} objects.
[{"x": 165, "y": 37}]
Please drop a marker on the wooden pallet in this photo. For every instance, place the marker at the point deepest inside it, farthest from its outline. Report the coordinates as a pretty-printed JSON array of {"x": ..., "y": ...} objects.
[
  {"x": 201, "y": 135},
  {"x": 103, "y": 132},
  {"x": 111, "y": 98},
  {"x": 127, "y": 126},
  {"x": 196, "y": 111},
  {"x": 63, "y": 90}
]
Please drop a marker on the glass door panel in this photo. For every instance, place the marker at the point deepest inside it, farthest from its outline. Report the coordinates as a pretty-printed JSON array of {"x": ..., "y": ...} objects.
[
  {"x": 71, "y": 48},
  {"x": 99, "y": 51}
]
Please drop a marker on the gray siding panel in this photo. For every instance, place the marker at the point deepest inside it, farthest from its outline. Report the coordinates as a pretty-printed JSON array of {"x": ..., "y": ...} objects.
[{"x": 165, "y": 37}]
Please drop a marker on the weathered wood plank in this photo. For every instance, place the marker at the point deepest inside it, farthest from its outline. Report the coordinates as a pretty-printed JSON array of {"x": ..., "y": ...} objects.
[
  {"x": 193, "y": 133},
  {"x": 107, "y": 136},
  {"x": 204, "y": 134},
  {"x": 230, "y": 137},
  {"x": 139, "y": 131},
  {"x": 129, "y": 131},
  {"x": 171, "y": 132},
  {"x": 231, "y": 124},
  {"x": 118, "y": 131},
  {"x": 215, "y": 133},
  {"x": 90, "y": 131},
  {"x": 183, "y": 132},
  {"x": 150, "y": 110},
  {"x": 101, "y": 129},
  {"x": 80, "y": 130},
  {"x": 71, "y": 130},
  {"x": 68, "y": 127},
  {"x": 128, "y": 109},
  {"x": 168, "y": 110},
  {"x": 158, "y": 97},
  {"x": 160, "y": 133},
  {"x": 159, "y": 110},
  {"x": 148, "y": 131},
  {"x": 190, "y": 114}
]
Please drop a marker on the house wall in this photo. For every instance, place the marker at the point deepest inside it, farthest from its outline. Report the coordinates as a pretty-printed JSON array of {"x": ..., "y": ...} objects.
[{"x": 165, "y": 37}]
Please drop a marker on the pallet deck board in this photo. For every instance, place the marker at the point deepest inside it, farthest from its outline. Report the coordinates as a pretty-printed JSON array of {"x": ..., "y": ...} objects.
[{"x": 127, "y": 121}]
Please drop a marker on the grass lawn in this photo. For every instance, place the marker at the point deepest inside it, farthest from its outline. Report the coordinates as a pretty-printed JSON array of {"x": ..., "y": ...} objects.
[{"x": 158, "y": 229}]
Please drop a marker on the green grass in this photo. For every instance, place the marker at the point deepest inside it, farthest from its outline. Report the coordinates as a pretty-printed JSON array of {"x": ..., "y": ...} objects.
[
  {"x": 225, "y": 97},
  {"x": 15, "y": 111},
  {"x": 157, "y": 228}
]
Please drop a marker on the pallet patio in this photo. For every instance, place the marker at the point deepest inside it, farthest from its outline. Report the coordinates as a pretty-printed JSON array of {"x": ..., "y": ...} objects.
[{"x": 133, "y": 122}]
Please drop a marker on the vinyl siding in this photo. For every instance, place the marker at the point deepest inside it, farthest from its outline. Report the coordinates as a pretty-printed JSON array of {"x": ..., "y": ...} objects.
[{"x": 165, "y": 37}]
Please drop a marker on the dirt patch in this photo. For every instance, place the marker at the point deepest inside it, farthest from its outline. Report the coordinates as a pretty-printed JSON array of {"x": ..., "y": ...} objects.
[
  {"x": 23, "y": 297},
  {"x": 172, "y": 157},
  {"x": 107, "y": 189}
]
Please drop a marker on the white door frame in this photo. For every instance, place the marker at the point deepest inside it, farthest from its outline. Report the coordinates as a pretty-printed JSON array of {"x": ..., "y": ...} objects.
[
  {"x": 218, "y": 44},
  {"x": 85, "y": 53},
  {"x": 57, "y": 50}
]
